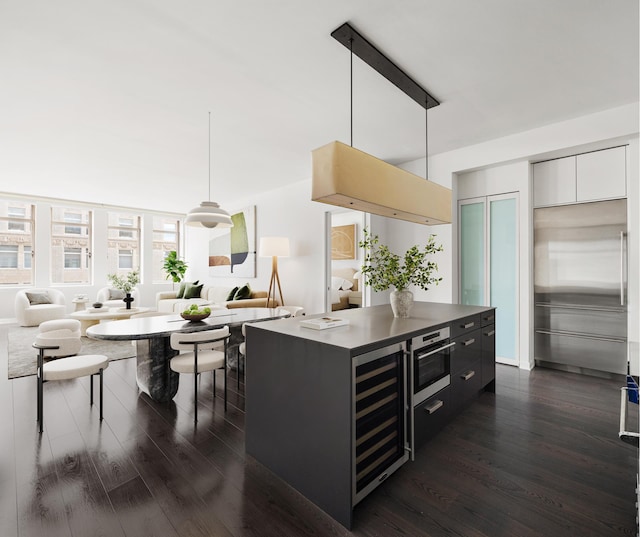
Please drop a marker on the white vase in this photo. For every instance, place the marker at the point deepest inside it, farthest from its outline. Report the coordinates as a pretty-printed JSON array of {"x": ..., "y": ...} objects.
[{"x": 401, "y": 303}]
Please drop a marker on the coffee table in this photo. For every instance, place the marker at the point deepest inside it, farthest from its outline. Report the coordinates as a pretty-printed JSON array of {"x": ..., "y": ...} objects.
[{"x": 90, "y": 318}]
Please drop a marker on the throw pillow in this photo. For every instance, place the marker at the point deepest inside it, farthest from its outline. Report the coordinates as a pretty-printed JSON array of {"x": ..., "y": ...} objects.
[
  {"x": 192, "y": 291},
  {"x": 183, "y": 286},
  {"x": 116, "y": 294},
  {"x": 243, "y": 292},
  {"x": 38, "y": 298},
  {"x": 232, "y": 293}
]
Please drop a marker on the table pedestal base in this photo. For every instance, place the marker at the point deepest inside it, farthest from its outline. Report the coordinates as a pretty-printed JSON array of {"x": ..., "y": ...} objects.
[{"x": 153, "y": 373}]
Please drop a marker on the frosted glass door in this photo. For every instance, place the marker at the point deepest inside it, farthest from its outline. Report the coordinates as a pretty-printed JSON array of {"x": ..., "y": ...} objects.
[
  {"x": 503, "y": 272},
  {"x": 488, "y": 239},
  {"x": 472, "y": 253}
]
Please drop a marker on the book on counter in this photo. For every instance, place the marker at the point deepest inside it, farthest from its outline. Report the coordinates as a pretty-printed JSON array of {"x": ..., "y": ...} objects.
[{"x": 321, "y": 323}]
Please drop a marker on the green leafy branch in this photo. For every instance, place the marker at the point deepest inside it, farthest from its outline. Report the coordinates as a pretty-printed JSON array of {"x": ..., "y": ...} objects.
[
  {"x": 174, "y": 267},
  {"x": 125, "y": 283},
  {"x": 383, "y": 269}
]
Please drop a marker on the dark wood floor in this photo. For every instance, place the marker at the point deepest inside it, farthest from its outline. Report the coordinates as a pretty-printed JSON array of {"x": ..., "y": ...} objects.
[{"x": 541, "y": 457}]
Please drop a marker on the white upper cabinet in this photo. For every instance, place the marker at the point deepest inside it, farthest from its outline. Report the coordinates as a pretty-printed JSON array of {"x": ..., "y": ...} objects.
[
  {"x": 598, "y": 175},
  {"x": 554, "y": 182},
  {"x": 602, "y": 175}
]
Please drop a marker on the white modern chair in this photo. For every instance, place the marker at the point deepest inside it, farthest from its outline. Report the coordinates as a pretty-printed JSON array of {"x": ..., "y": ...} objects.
[
  {"x": 34, "y": 306},
  {"x": 60, "y": 338},
  {"x": 295, "y": 311},
  {"x": 66, "y": 368},
  {"x": 201, "y": 352}
]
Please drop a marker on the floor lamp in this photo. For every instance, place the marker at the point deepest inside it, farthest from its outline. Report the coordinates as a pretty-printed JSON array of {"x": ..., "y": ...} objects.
[{"x": 274, "y": 247}]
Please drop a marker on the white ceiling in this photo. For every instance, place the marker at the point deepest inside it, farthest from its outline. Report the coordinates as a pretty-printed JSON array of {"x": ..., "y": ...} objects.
[{"x": 108, "y": 101}]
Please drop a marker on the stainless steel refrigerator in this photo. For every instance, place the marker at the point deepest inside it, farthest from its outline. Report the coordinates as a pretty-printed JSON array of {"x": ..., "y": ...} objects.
[{"x": 580, "y": 287}]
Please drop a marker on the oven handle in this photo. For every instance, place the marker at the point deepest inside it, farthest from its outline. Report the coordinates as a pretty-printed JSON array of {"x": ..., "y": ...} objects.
[{"x": 422, "y": 356}]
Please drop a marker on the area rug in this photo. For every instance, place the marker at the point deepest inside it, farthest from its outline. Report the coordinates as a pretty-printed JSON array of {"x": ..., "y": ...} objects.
[{"x": 23, "y": 357}]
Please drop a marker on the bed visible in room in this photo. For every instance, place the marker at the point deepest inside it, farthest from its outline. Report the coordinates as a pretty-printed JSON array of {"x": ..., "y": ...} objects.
[{"x": 345, "y": 291}]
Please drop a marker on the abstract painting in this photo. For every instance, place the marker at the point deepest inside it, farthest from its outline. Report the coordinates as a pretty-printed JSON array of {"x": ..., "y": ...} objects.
[
  {"x": 232, "y": 251},
  {"x": 343, "y": 242}
]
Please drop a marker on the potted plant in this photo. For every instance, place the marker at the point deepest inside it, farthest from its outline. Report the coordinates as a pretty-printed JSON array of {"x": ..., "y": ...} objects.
[
  {"x": 125, "y": 284},
  {"x": 174, "y": 267},
  {"x": 383, "y": 269}
]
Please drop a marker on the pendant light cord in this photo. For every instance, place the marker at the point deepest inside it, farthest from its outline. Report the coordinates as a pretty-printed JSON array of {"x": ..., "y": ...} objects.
[
  {"x": 351, "y": 87},
  {"x": 426, "y": 141},
  {"x": 209, "y": 156}
]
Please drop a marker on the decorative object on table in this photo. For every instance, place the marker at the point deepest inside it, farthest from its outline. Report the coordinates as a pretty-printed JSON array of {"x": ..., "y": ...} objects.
[
  {"x": 195, "y": 314},
  {"x": 232, "y": 252},
  {"x": 174, "y": 267},
  {"x": 322, "y": 323},
  {"x": 125, "y": 284},
  {"x": 347, "y": 177},
  {"x": 274, "y": 247},
  {"x": 209, "y": 214},
  {"x": 97, "y": 305},
  {"x": 383, "y": 269},
  {"x": 343, "y": 242}
]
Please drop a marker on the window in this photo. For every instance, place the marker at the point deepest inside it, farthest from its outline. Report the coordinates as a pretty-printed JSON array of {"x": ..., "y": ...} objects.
[
  {"x": 72, "y": 258},
  {"x": 125, "y": 259},
  {"x": 124, "y": 249},
  {"x": 8, "y": 256},
  {"x": 19, "y": 213},
  {"x": 166, "y": 237},
  {"x": 16, "y": 242},
  {"x": 71, "y": 236},
  {"x": 75, "y": 218}
]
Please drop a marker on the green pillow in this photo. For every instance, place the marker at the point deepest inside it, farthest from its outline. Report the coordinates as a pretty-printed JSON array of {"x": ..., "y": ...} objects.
[
  {"x": 232, "y": 293},
  {"x": 192, "y": 291},
  {"x": 243, "y": 292},
  {"x": 183, "y": 286}
]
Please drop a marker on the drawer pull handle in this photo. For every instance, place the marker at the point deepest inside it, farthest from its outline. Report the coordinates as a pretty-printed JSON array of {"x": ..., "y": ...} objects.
[
  {"x": 468, "y": 325},
  {"x": 490, "y": 333},
  {"x": 434, "y": 406},
  {"x": 489, "y": 317},
  {"x": 468, "y": 375},
  {"x": 468, "y": 342}
]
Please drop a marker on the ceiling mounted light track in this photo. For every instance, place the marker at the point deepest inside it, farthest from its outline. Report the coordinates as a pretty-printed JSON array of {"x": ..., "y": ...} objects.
[
  {"x": 347, "y": 177},
  {"x": 209, "y": 214}
]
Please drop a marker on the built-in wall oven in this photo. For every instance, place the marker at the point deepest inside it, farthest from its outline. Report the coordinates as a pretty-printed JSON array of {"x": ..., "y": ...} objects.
[
  {"x": 430, "y": 370},
  {"x": 431, "y": 364}
]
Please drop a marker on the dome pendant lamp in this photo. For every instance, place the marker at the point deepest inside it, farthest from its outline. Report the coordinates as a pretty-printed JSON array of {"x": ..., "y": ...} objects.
[{"x": 209, "y": 214}]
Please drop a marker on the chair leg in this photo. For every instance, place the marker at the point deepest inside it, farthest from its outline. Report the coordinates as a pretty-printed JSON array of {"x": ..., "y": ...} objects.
[
  {"x": 195, "y": 397},
  {"x": 91, "y": 390},
  {"x": 40, "y": 390},
  {"x": 225, "y": 389},
  {"x": 101, "y": 385}
]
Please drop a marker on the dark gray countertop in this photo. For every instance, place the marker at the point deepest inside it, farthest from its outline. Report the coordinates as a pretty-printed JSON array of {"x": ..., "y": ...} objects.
[{"x": 374, "y": 325}]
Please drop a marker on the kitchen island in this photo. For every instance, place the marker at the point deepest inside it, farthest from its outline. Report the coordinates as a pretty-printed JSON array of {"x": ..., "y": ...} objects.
[{"x": 334, "y": 412}]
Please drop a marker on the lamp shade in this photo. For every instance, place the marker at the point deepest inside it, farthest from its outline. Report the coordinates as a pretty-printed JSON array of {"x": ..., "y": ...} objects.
[
  {"x": 209, "y": 215},
  {"x": 274, "y": 246}
]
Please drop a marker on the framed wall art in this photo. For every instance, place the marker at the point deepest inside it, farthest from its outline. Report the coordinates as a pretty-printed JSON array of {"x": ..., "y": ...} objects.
[
  {"x": 343, "y": 242},
  {"x": 232, "y": 251}
]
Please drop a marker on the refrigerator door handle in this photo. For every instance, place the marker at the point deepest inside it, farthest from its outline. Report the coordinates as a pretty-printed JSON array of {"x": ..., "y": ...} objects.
[{"x": 622, "y": 266}]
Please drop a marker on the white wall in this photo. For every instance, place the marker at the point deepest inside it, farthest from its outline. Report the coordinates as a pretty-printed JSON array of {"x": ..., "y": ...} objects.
[{"x": 287, "y": 212}]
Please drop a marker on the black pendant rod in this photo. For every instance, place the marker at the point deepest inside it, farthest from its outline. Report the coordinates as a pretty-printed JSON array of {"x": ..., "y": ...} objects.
[
  {"x": 351, "y": 87},
  {"x": 426, "y": 142},
  {"x": 350, "y": 38}
]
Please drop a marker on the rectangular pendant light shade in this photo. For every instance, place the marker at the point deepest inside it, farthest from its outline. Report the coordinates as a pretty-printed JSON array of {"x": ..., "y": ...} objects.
[{"x": 350, "y": 178}]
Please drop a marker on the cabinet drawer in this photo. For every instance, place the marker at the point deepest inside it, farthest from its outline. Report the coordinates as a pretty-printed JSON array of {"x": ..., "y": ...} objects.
[
  {"x": 488, "y": 317},
  {"x": 430, "y": 416},
  {"x": 467, "y": 350},
  {"x": 462, "y": 326},
  {"x": 488, "y": 354},
  {"x": 465, "y": 385}
]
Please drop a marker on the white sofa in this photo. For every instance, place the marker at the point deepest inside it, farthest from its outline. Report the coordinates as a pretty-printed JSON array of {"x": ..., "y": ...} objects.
[
  {"x": 34, "y": 306},
  {"x": 214, "y": 296},
  {"x": 105, "y": 296}
]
